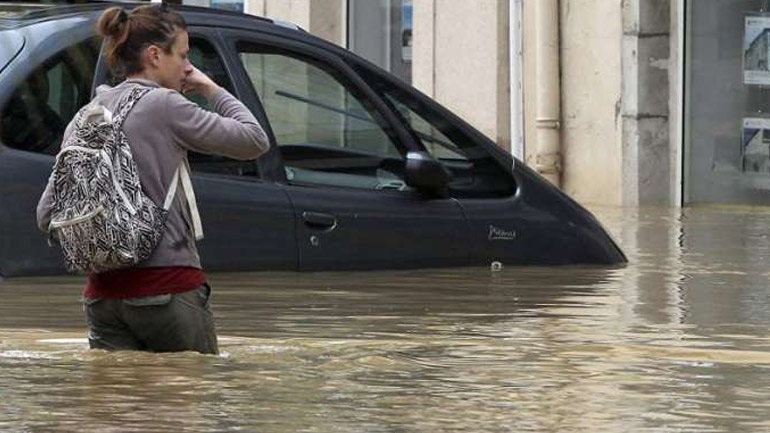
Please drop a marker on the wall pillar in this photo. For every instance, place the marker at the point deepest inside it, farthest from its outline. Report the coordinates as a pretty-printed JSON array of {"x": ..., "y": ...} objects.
[
  {"x": 456, "y": 43},
  {"x": 647, "y": 161},
  {"x": 592, "y": 142},
  {"x": 323, "y": 18}
]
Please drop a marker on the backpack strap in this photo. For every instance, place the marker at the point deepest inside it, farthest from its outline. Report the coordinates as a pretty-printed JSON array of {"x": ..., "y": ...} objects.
[
  {"x": 127, "y": 103},
  {"x": 183, "y": 172}
]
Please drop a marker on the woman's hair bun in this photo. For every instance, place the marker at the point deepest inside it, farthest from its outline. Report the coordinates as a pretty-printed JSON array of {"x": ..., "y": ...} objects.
[
  {"x": 112, "y": 23},
  {"x": 126, "y": 34}
]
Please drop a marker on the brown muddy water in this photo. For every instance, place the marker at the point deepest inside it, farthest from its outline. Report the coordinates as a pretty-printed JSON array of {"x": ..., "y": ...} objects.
[{"x": 677, "y": 341}]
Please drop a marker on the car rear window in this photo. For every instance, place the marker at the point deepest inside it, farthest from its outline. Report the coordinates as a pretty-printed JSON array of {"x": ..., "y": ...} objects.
[{"x": 10, "y": 44}]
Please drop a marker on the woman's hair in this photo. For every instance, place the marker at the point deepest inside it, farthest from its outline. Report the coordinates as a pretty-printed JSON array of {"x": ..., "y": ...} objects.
[{"x": 127, "y": 34}]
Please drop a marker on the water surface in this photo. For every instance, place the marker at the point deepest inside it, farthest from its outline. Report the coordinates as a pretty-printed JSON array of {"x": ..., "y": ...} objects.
[{"x": 676, "y": 341}]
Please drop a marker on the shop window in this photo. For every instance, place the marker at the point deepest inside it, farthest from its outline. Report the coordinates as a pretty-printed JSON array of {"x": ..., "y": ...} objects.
[{"x": 727, "y": 102}]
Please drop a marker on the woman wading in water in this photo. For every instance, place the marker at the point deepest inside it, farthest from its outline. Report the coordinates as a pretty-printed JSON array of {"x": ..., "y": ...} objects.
[{"x": 162, "y": 304}]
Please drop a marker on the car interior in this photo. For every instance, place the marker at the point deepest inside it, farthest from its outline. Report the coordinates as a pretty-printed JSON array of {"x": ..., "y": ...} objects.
[
  {"x": 39, "y": 109},
  {"x": 318, "y": 164},
  {"x": 28, "y": 122},
  {"x": 204, "y": 56}
]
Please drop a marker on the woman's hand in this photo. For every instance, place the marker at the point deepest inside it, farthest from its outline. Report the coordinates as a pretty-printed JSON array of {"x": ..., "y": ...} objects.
[{"x": 198, "y": 82}]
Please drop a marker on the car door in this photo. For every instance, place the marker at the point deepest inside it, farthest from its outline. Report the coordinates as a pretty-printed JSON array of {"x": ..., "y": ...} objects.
[
  {"x": 344, "y": 164},
  {"x": 43, "y": 87},
  {"x": 503, "y": 227}
]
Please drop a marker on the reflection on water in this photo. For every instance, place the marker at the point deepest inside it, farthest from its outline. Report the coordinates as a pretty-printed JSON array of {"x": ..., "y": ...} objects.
[{"x": 676, "y": 341}]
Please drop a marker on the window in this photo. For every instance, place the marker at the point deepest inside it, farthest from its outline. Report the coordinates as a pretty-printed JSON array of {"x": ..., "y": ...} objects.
[
  {"x": 35, "y": 116},
  {"x": 205, "y": 57},
  {"x": 475, "y": 172},
  {"x": 435, "y": 142},
  {"x": 326, "y": 132},
  {"x": 726, "y": 152}
]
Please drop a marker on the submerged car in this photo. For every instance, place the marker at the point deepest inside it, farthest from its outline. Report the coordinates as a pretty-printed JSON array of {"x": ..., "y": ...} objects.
[{"x": 364, "y": 171}]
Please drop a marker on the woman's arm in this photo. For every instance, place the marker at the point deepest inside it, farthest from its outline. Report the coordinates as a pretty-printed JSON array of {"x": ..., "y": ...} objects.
[{"x": 231, "y": 130}]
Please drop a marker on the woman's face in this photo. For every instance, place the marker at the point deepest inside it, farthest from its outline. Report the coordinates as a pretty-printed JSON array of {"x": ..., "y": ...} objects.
[{"x": 174, "y": 66}]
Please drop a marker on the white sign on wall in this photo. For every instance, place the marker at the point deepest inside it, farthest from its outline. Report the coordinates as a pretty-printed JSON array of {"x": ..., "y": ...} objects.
[
  {"x": 755, "y": 145},
  {"x": 756, "y": 50}
]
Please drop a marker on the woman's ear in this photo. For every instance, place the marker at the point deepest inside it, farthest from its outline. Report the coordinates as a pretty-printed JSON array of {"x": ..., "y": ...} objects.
[{"x": 152, "y": 54}]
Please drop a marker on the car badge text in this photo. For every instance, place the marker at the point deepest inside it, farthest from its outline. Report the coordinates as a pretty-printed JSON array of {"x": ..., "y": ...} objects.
[{"x": 498, "y": 234}]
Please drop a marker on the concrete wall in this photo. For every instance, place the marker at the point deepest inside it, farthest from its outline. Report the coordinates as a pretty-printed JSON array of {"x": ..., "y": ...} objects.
[
  {"x": 323, "y": 18},
  {"x": 592, "y": 134},
  {"x": 529, "y": 78},
  {"x": 615, "y": 72},
  {"x": 461, "y": 60}
]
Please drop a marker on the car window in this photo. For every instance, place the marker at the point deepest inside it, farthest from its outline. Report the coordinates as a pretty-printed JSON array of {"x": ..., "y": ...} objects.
[
  {"x": 326, "y": 132},
  {"x": 434, "y": 141},
  {"x": 206, "y": 58},
  {"x": 39, "y": 109},
  {"x": 474, "y": 171}
]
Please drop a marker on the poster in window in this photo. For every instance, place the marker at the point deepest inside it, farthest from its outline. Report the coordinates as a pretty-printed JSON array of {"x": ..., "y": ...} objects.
[
  {"x": 230, "y": 5},
  {"x": 756, "y": 50},
  {"x": 406, "y": 30},
  {"x": 756, "y": 145}
]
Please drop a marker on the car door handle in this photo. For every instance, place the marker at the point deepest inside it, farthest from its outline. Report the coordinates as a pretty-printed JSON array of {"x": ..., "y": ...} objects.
[{"x": 319, "y": 221}]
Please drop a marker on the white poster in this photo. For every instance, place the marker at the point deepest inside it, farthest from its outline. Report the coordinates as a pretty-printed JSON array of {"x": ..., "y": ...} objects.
[
  {"x": 406, "y": 30},
  {"x": 756, "y": 50},
  {"x": 230, "y": 5},
  {"x": 755, "y": 149}
]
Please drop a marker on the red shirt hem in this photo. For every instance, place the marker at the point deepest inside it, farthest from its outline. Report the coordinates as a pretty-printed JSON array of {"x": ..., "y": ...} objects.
[{"x": 140, "y": 282}]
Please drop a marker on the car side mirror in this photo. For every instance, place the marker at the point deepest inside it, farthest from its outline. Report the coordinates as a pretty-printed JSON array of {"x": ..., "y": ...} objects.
[{"x": 426, "y": 174}]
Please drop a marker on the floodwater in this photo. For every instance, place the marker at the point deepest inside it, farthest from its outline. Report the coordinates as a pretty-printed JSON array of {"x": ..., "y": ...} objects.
[{"x": 677, "y": 341}]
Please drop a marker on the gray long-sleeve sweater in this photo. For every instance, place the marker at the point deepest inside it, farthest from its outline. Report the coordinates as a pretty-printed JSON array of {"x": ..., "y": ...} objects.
[{"x": 160, "y": 129}]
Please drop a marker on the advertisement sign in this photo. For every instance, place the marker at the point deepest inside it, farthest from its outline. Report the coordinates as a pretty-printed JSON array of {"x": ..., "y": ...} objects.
[
  {"x": 756, "y": 50},
  {"x": 406, "y": 30},
  {"x": 755, "y": 149},
  {"x": 230, "y": 5}
]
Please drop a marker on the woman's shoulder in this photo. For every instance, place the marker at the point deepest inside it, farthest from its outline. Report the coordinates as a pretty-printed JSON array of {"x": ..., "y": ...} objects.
[
  {"x": 112, "y": 95},
  {"x": 162, "y": 98},
  {"x": 162, "y": 101}
]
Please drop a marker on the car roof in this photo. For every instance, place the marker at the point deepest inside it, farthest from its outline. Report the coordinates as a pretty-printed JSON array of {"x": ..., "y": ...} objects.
[{"x": 20, "y": 14}]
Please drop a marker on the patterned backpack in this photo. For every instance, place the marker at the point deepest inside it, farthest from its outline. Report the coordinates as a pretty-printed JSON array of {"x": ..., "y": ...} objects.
[{"x": 100, "y": 216}]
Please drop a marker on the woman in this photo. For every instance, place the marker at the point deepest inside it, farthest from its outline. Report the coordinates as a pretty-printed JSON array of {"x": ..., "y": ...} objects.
[{"x": 163, "y": 303}]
